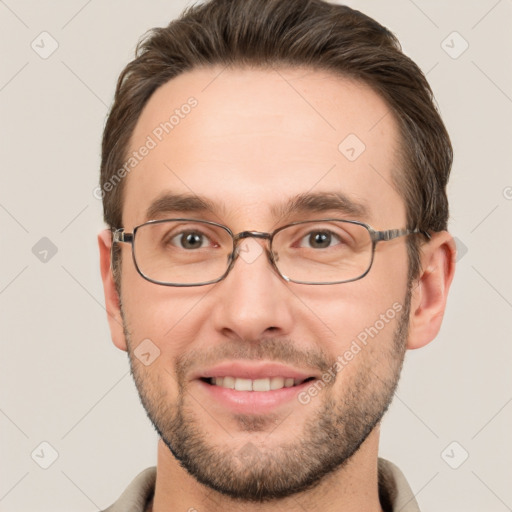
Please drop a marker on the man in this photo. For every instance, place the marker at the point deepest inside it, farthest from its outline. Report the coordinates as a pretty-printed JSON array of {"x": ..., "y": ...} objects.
[{"x": 273, "y": 176}]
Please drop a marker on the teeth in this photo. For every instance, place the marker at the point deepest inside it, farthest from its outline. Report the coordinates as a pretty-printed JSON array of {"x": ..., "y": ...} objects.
[
  {"x": 227, "y": 382},
  {"x": 243, "y": 384},
  {"x": 256, "y": 384},
  {"x": 261, "y": 385},
  {"x": 276, "y": 383}
]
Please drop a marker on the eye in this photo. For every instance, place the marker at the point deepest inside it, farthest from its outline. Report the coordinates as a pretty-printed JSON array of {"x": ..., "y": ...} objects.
[
  {"x": 190, "y": 240},
  {"x": 319, "y": 239}
]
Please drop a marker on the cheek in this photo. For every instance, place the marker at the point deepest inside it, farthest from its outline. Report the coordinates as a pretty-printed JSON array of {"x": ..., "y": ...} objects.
[
  {"x": 365, "y": 350},
  {"x": 347, "y": 311},
  {"x": 390, "y": 267},
  {"x": 168, "y": 318},
  {"x": 152, "y": 310}
]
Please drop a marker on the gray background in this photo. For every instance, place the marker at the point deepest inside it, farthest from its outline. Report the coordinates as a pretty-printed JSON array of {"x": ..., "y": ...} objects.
[{"x": 62, "y": 381}]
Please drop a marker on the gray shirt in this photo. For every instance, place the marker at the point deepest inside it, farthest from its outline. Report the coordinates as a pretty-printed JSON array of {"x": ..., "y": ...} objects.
[{"x": 394, "y": 491}]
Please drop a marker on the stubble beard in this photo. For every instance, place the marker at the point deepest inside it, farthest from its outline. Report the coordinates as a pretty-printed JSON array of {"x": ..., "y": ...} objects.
[{"x": 258, "y": 473}]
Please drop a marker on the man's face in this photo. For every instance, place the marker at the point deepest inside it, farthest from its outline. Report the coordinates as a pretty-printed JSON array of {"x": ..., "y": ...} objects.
[{"x": 255, "y": 141}]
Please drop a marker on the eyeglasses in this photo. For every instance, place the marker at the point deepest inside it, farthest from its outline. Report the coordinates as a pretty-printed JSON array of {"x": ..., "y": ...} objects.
[{"x": 191, "y": 252}]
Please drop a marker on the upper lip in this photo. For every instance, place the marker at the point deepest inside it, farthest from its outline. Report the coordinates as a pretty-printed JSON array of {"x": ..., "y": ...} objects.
[{"x": 251, "y": 370}]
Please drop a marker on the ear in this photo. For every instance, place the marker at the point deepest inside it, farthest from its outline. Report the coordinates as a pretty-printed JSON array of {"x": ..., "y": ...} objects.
[
  {"x": 112, "y": 302},
  {"x": 430, "y": 290}
]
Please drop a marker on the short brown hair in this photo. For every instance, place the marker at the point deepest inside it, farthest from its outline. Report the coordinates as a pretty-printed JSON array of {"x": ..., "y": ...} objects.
[{"x": 292, "y": 33}]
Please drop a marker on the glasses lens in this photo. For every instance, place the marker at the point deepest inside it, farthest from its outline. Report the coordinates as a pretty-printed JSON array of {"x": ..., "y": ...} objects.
[
  {"x": 182, "y": 251},
  {"x": 323, "y": 251}
]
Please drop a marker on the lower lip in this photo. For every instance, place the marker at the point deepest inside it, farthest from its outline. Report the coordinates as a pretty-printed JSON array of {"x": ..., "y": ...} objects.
[{"x": 256, "y": 402}]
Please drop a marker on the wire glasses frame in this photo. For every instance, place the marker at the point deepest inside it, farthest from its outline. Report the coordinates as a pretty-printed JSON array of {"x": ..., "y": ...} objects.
[{"x": 120, "y": 236}]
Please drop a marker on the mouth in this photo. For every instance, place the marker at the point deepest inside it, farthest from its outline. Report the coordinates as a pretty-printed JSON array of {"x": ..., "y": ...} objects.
[
  {"x": 261, "y": 385},
  {"x": 246, "y": 387},
  {"x": 252, "y": 396}
]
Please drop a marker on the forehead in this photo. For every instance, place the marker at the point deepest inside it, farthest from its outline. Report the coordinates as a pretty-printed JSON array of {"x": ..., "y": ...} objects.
[{"x": 250, "y": 140}]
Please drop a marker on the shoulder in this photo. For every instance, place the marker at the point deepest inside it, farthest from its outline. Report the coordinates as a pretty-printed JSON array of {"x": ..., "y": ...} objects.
[
  {"x": 394, "y": 490},
  {"x": 137, "y": 494}
]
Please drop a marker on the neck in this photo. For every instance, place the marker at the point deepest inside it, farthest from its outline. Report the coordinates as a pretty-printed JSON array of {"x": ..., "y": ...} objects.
[{"x": 352, "y": 488}]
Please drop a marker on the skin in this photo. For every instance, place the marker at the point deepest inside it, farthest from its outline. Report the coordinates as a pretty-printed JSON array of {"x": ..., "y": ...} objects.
[{"x": 256, "y": 138}]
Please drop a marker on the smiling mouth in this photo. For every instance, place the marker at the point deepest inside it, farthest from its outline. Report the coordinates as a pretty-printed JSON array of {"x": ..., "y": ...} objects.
[{"x": 265, "y": 384}]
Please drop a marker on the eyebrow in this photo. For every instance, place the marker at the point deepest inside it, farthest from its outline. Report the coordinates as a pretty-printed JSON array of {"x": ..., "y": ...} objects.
[
  {"x": 318, "y": 202},
  {"x": 186, "y": 203}
]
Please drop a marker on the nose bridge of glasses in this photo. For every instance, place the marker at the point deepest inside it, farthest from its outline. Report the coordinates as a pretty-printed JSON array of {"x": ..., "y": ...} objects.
[
  {"x": 243, "y": 235},
  {"x": 252, "y": 234},
  {"x": 250, "y": 251}
]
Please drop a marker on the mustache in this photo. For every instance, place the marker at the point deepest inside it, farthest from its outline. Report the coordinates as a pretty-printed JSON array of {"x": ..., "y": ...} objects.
[{"x": 278, "y": 350}]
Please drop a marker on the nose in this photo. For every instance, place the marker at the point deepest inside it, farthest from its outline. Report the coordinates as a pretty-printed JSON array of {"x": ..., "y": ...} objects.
[{"x": 253, "y": 301}]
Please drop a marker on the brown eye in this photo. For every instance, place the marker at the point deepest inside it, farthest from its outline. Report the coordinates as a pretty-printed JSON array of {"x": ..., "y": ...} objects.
[
  {"x": 190, "y": 240},
  {"x": 319, "y": 240}
]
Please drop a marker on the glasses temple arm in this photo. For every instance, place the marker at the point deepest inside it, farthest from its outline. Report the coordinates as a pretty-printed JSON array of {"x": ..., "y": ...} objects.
[
  {"x": 119, "y": 236},
  {"x": 390, "y": 234}
]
